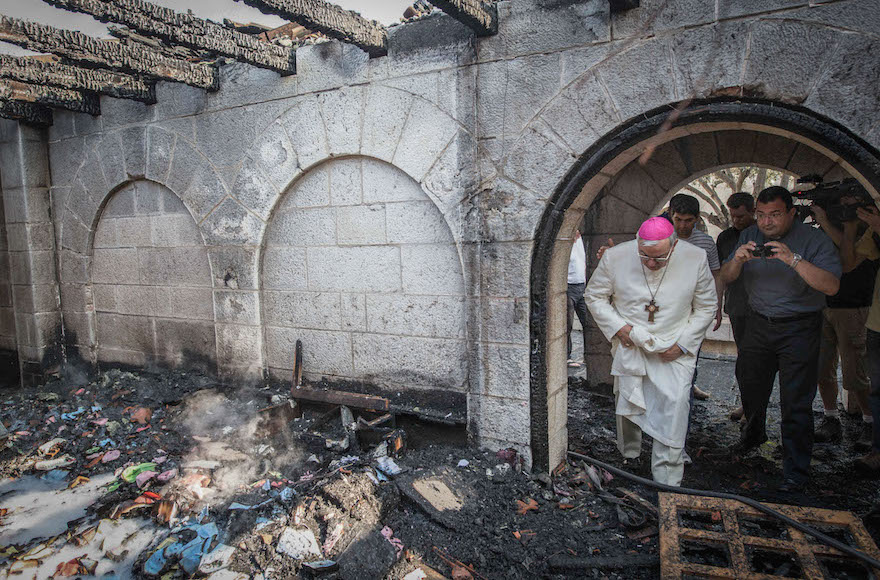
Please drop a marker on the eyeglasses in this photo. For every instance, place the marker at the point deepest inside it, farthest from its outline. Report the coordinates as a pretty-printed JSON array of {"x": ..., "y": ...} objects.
[
  {"x": 769, "y": 216},
  {"x": 658, "y": 260}
]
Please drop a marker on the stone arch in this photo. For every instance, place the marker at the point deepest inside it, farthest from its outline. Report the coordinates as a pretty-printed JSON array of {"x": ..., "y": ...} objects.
[
  {"x": 587, "y": 185},
  {"x": 357, "y": 260}
]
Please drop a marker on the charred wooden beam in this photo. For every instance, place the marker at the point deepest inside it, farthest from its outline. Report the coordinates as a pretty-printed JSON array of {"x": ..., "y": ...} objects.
[
  {"x": 340, "y": 398},
  {"x": 480, "y": 17},
  {"x": 329, "y": 19},
  {"x": 26, "y": 112},
  {"x": 113, "y": 84},
  {"x": 50, "y": 96},
  {"x": 128, "y": 37},
  {"x": 93, "y": 52},
  {"x": 185, "y": 30}
]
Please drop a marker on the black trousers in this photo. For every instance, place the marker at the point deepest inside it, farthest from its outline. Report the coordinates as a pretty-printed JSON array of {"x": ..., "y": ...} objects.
[
  {"x": 790, "y": 348},
  {"x": 738, "y": 326},
  {"x": 576, "y": 304}
]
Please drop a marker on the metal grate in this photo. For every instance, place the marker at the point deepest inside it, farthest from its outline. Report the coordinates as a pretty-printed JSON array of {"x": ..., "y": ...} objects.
[{"x": 702, "y": 537}]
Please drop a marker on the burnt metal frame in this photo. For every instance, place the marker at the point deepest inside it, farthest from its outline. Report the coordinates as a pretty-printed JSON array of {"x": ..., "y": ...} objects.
[
  {"x": 727, "y": 514},
  {"x": 826, "y": 132}
]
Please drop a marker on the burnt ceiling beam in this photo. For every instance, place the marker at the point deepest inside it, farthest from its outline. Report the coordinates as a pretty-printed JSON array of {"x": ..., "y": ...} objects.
[
  {"x": 113, "y": 84},
  {"x": 331, "y": 20},
  {"x": 92, "y": 52},
  {"x": 481, "y": 17},
  {"x": 185, "y": 30},
  {"x": 50, "y": 96},
  {"x": 26, "y": 112}
]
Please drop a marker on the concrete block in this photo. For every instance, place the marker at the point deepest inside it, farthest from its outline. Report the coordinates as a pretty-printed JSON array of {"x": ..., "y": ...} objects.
[
  {"x": 361, "y": 225},
  {"x": 324, "y": 353},
  {"x": 110, "y": 151},
  {"x": 311, "y": 190},
  {"x": 785, "y": 58},
  {"x": 239, "y": 345},
  {"x": 505, "y": 419},
  {"x": 139, "y": 300},
  {"x": 186, "y": 343},
  {"x": 353, "y": 312},
  {"x": 120, "y": 203},
  {"x": 183, "y": 166},
  {"x": 539, "y": 173},
  {"x": 345, "y": 181},
  {"x": 117, "y": 331},
  {"x": 132, "y": 232},
  {"x": 383, "y": 182},
  {"x": 277, "y": 156},
  {"x": 134, "y": 150},
  {"x": 406, "y": 315},
  {"x": 316, "y": 310},
  {"x": 174, "y": 230},
  {"x": 304, "y": 227},
  {"x": 455, "y": 175},
  {"x": 114, "y": 266},
  {"x": 505, "y": 269},
  {"x": 433, "y": 269},
  {"x": 284, "y": 268},
  {"x": 416, "y": 222},
  {"x": 230, "y": 223},
  {"x": 235, "y": 306},
  {"x": 385, "y": 113},
  {"x": 104, "y": 297},
  {"x": 354, "y": 269},
  {"x": 342, "y": 111},
  {"x": 653, "y": 16},
  {"x": 235, "y": 268},
  {"x": 204, "y": 192},
  {"x": 427, "y": 132},
  {"x": 160, "y": 148},
  {"x": 541, "y": 26},
  {"x": 428, "y": 362},
  {"x": 582, "y": 113},
  {"x": 174, "y": 267},
  {"x": 305, "y": 128},
  {"x": 254, "y": 189}
]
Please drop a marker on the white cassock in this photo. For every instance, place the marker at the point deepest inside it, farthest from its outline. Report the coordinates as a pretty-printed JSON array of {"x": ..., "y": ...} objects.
[{"x": 653, "y": 396}]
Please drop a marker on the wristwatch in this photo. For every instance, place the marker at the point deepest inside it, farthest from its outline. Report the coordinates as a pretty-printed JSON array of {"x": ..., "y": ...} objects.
[{"x": 795, "y": 260}]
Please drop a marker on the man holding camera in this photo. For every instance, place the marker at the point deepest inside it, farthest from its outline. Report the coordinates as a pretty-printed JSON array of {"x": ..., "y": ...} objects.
[{"x": 788, "y": 269}]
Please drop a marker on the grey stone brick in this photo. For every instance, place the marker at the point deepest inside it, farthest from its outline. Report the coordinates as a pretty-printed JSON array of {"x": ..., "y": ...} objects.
[
  {"x": 62, "y": 125},
  {"x": 315, "y": 310},
  {"x": 345, "y": 181},
  {"x": 304, "y": 227},
  {"x": 234, "y": 267},
  {"x": 74, "y": 267},
  {"x": 116, "y": 331},
  {"x": 174, "y": 267},
  {"x": 114, "y": 266},
  {"x": 29, "y": 205},
  {"x": 105, "y": 297},
  {"x": 506, "y": 371},
  {"x": 638, "y": 78},
  {"x": 284, "y": 268},
  {"x": 354, "y": 269},
  {"x": 531, "y": 82},
  {"x": 43, "y": 267},
  {"x": 385, "y": 113},
  {"x": 329, "y": 64},
  {"x": 653, "y": 16},
  {"x": 134, "y": 150},
  {"x": 539, "y": 173},
  {"x": 427, "y": 316},
  {"x": 236, "y": 307},
  {"x": 383, "y": 182},
  {"x": 110, "y": 151},
  {"x": 174, "y": 230},
  {"x": 254, "y": 190},
  {"x": 504, "y": 419},
  {"x": 324, "y": 353},
  {"x": 354, "y": 312},
  {"x": 123, "y": 357},
  {"x": 410, "y": 361},
  {"x": 186, "y": 342},
  {"x": 361, "y": 225},
  {"x": 455, "y": 175},
  {"x": 139, "y": 300},
  {"x": 213, "y": 132},
  {"x": 342, "y": 111},
  {"x": 277, "y": 156},
  {"x": 231, "y": 223},
  {"x": 170, "y": 202},
  {"x": 75, "y": 234},
  {"x": 432, "y": 269},
  {"x": 416, "y": 222},
  {"x": 581, "y": 113},
  {"x": 189, "y": 303},
  {"x": 305, "y": 128},
  {"x": 311, "y": 190},
  {"x": 65, "y": 159},
  {"x": 237, "y": 344},
  {"x": 160, "y": 149},
  {"x": 177, "y": 100},
  {"x": 735, "y": 8},
  {"x": 504, "y": 320},
  {"x": 504, "y": 269},
  {"x": 120, "y": 203},
  {"x": 204, "y": 192},
  {"x": 427, "y": 132},
  {"x": 133, "y": 231},
  {"x": 116, "y": 112},
  {"x": 183, "y": 166},
  {"x": 709, "y": 58}
]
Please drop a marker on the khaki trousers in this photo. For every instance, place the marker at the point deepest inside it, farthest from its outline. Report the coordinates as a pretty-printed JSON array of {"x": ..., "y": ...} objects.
[
  {"x": 843, "y": 331},
  {"x": 667, "y": 463}
]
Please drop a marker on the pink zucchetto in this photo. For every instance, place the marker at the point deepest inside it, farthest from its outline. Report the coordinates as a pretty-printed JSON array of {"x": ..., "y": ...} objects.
[{"x": 655, "y": 228}]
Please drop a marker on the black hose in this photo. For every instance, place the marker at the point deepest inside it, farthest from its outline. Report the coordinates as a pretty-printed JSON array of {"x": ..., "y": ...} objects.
[{"x": 849, "y": 550}]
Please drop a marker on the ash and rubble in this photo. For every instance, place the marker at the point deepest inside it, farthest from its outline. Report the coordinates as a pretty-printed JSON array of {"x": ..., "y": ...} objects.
[{"x": 168, "y": 475}]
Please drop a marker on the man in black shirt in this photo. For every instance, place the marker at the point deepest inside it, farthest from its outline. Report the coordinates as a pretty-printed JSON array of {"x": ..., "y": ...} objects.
[
  {"x": 844, "y": 332},
  {"x": 736, "y": 304}
]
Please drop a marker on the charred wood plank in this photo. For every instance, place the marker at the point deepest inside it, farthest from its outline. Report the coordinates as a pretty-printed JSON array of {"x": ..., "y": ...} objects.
[
  {"x": 480, "y": 17},
  {"x": 50, "y": 96},
  {"x": 329, "y": 19},
  {"x": 92, "y": 52},
  {"x": 186, "y": 30},
  {"x": 25, "y": 112},
  {"x": 333, "y": 397},
  {"x": 113, "y": 84}
]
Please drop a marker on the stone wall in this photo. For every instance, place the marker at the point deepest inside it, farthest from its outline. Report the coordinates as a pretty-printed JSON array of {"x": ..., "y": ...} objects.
[{"x": 480, "y": 134}]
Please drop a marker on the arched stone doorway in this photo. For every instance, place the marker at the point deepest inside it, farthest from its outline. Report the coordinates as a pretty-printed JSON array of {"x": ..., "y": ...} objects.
[{"x": 620, "y": 180}]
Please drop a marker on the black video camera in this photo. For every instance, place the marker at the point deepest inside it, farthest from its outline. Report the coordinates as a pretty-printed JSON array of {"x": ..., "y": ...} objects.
[{"x": 828, "y": 196}]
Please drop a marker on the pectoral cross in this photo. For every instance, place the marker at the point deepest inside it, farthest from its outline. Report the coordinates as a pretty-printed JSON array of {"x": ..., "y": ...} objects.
[{"x": 651, "y": 308}]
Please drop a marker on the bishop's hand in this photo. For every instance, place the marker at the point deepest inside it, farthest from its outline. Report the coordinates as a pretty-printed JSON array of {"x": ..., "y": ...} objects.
[
  {"x": 672, "y": 353},
  {"x": 623, "y": 336}
]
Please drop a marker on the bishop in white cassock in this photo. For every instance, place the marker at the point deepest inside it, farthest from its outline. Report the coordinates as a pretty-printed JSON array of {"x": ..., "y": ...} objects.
[{"x": 654, "y": 299}]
